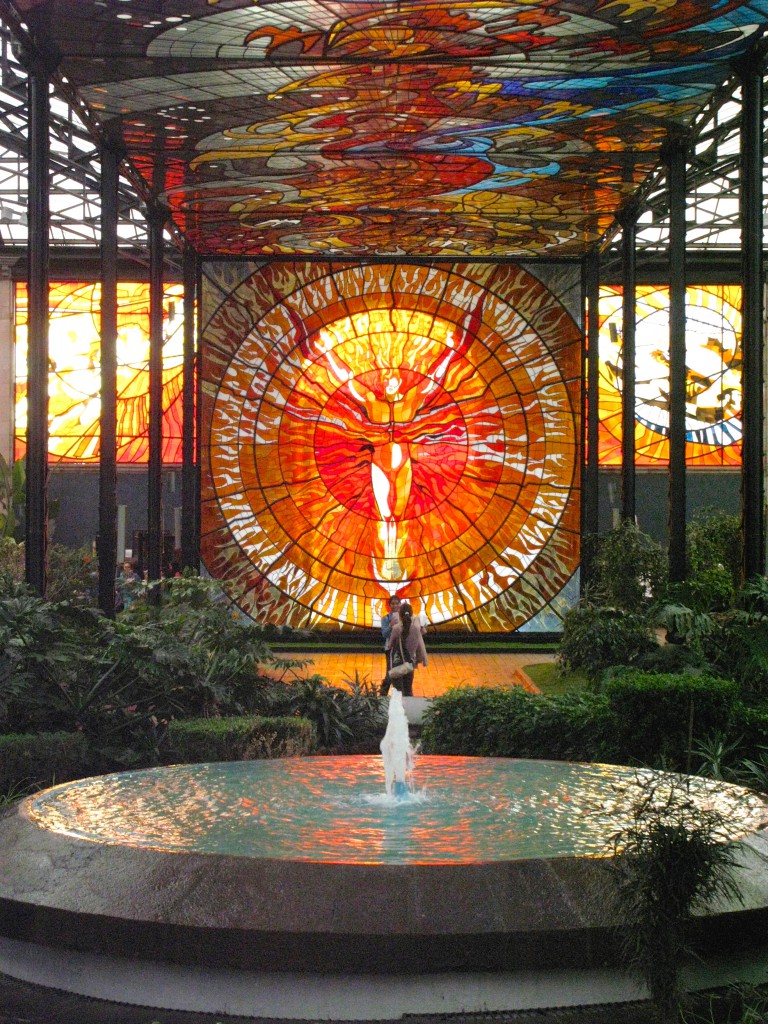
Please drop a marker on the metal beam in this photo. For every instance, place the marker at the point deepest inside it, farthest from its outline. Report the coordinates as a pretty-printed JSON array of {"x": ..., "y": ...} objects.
[
  {"x": 629, "y": 228},
  {"x": 110, "y": 162},
  {"x": 753, "y": 348},
  {"x": 37, "y": 347},
  {"x": 590, "y": 504},
  {"x": 675, "y": 156},
  {"x": 156, "y": 220},
  {"x": 190, "y": 556}
]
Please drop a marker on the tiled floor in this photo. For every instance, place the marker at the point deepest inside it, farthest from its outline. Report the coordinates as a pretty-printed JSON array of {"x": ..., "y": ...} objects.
[{"x": 443, "y": 671}]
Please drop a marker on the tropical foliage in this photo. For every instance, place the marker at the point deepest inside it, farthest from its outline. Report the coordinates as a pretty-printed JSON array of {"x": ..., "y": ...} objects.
[
  {"x": 121, "y": 684},
  {"x": 673, "y": 858}
]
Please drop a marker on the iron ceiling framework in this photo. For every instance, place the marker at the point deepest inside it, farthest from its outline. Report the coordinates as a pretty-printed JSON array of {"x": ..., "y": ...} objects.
[{"x": 713, "y": 208}]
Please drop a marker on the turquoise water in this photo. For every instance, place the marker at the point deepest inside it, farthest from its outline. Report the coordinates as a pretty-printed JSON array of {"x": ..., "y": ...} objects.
[{"x": 333, "y": 809}]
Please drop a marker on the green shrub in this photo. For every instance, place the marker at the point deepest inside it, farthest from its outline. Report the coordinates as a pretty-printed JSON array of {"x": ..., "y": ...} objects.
[
  {"x": 196, "y": 740},
  {"x": 347, "y": 719},
  {"x": 672, "y": 658},
  {"x": 41, "y": 760},
  {"x": 495, "y": 722},
  {"x": 595, "y": 638},
  {"x": 714, "y": 540},
  {"x": 628, "y": 570},
  {"x": 639, "y": 718},
  {"x": 73, "y": 574},
  {"x": 658, "y": 717},
  {"x": 737, "y": 647},
  {"x": 710, "y": 590}
]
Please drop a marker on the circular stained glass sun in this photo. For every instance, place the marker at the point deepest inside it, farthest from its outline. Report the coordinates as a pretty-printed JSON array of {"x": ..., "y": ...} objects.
[{"x": 377, "y": 429}]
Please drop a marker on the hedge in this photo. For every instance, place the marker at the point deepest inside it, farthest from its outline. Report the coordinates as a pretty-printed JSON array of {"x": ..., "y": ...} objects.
[
  {"x": 43, "y": 759},
  {"x": 195, "y": 740},
  {"x": 636, "y": 718},
  {"x": 656, "y": 715},
  {"x": 496, "y": 722}
]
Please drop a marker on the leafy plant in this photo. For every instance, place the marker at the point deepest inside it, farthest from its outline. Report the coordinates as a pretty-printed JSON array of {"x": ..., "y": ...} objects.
[
  {"x": 738, "y": 1004},
  {"x": 72, "y": 574},
  {"x": 672, "y": 658},
  {"x": 366, "y": 713},
  {"x": 673, "y": 858},
  {"x": 11, "y": 564},
  {"x": 12, "y": 497},
  {"x": 738, "y": 648},
  {"x": 212, "y": 656},
  {"x": 686, "y": 625},
  {"x": 716, "y": 756},
  {"x": 629, "y": 569},
  {"x": 659, "y": 717},
  {"x": 594, "y": 638},
  {"x": 753, "y": 597},
  {"x": 713, "y": 539}
]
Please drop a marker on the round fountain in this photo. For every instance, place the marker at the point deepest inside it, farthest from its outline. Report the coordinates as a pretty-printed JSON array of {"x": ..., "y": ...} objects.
[{"x": 419, "y": 892}]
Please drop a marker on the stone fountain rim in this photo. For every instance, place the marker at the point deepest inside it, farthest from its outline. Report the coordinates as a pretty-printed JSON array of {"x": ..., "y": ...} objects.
[{"x": 265, "y": 913}]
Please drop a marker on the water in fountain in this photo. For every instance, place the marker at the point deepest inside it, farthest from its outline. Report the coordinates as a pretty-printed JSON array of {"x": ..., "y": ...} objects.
[{"x": 396, "y": 749}]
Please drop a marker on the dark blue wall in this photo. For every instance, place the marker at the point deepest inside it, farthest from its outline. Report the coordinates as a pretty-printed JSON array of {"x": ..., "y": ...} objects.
[
  {"x": 77, "y": 490},
  {"x": 718, "y": 488},
  {"x": 78, "y": 493}
]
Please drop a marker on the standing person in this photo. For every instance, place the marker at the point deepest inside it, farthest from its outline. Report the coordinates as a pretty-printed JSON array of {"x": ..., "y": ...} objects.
[
  {"x": 387, "y": 622},
  {"x": 126, "y": 585},
  {"x": 410, "y": 634}
]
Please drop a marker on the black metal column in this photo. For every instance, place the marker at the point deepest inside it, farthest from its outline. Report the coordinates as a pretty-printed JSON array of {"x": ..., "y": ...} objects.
[
  {"x": 156, "y": 217},
  {"x": 189, "y": 548},
  {"x": 751, "y": 210},
  {"x": 590, "y": 503},
  {"x": 110, "y": 162},
  {"x": 629, "y": 232},
  {"x": 37, "y": 366},
  {"x": 199, "y": 411},
  {"x": 675, "y": 155}
]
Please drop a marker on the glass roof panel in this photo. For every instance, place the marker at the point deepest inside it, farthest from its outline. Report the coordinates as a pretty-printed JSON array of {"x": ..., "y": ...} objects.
[{"x": 299, "y": 126}]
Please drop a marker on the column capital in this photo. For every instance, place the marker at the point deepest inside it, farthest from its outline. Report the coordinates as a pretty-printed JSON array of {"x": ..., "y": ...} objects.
[
  {"x": 677, "y": 141},
  {"x": 753, "y": 62},
  {"x": 112, "y": 139},
  {"x": 7, "y": 266},
  {"x": 629, "y": 214}
]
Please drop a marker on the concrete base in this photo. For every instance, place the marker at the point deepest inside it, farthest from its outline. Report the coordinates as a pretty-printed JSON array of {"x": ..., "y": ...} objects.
[
  {"x": 282, "y": 996},
  {"x": 287, "y": 996}
]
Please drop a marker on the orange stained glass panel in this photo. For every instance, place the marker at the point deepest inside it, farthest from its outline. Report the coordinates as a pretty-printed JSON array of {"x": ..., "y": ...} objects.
[
  {"x": 391, "y": 429},
  {"x": 713, "y": 386},
  {"x": 74, "y": 383}
]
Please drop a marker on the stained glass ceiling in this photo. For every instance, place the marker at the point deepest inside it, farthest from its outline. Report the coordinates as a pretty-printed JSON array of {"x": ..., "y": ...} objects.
[{"x": 477, "y": 129}]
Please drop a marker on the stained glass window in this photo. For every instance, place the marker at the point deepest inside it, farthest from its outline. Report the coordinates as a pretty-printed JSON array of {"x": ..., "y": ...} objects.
[
  {"x": 713, "y": 384},
  {"x": 468, "y": 131},
  {"x": 386, "y": 429},
  {"x": 74, "y": 379}
]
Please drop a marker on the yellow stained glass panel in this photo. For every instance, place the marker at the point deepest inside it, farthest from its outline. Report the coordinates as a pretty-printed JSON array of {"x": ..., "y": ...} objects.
[
  {"x": 713, "y": 384},
  {"x": 74, "y": 384}
]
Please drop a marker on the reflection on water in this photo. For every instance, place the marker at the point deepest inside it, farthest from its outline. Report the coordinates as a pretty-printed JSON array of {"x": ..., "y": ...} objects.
[{"x": 465, "y": 810}]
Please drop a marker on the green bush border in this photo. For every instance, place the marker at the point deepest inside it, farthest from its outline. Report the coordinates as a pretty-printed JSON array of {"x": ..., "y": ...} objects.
[
  {"x": 43, "y": 759},
  {"x": 638, "y": 718},
  {"x": 237, "y": 738}
]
